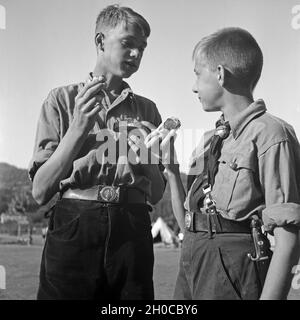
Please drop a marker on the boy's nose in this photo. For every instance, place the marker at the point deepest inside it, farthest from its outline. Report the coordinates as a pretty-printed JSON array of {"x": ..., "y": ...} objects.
[{"x": 135, "y": 52}]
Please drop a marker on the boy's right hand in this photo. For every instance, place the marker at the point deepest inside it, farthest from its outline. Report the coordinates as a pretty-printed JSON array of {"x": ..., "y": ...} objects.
[{"x": 87, "y": 105}]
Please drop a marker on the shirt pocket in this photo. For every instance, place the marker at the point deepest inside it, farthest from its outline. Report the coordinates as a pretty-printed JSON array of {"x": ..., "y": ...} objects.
[{"x": 235, "y": 181}]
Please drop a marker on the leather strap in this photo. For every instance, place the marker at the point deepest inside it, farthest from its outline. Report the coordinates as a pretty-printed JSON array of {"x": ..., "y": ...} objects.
[
  {"x": 107, "y": 194},
  {"x": 202, "y": 222}
]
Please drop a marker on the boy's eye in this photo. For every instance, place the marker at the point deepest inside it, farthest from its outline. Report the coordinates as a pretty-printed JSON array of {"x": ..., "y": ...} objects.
[
  {"x": 127, "y": 43},
  {"x": 132, "y": 45}
]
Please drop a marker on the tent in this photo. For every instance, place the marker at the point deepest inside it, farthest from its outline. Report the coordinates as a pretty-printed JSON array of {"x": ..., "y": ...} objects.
[{"x": 161, "y": 230}]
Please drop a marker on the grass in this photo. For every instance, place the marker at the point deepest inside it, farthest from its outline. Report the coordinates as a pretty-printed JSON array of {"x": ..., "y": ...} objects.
[
  {"x": 22, "y": 268},
  {"x": 22, "y": 263}
]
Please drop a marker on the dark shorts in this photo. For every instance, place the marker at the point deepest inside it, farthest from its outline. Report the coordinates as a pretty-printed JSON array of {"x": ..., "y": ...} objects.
[
  {"x": 97, "y": 253},
  {"x": 219, "y": 268}
]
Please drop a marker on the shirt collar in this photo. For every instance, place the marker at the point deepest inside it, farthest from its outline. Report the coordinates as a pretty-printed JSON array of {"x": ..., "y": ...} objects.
[
  {"x": 126, "y": 89},
  {"x": 241, "y": 120}
]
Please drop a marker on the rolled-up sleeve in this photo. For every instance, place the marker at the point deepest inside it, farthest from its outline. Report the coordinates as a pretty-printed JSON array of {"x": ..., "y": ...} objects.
[
  {"x": 280, "y": 180},
  {"x": 47, "y": 135}
]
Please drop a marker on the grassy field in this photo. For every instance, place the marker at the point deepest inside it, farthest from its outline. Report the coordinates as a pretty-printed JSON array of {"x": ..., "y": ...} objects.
[
  {"x": 22, "y": 267},
  {"x": 22, "y": 262}
]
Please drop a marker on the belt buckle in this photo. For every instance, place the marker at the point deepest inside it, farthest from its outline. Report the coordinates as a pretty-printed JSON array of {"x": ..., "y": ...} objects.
[
  {"x": 109, "y": 194},
  {"x": 189, "y": 221}
]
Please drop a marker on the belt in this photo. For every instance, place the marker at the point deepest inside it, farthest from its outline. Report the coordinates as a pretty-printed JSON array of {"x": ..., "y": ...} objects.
[
  {"x": 215, "y": 223},
  {"x": 107, "y": 194}
]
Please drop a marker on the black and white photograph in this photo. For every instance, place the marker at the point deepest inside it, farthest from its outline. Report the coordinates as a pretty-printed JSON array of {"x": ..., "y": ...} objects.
[{"x": 149, "y": 151}]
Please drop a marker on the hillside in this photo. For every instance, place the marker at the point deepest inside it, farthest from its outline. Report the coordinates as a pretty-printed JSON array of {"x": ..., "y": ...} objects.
[
  {"x": 11, "y": 176},
  {"x": 12, "y": 181}
]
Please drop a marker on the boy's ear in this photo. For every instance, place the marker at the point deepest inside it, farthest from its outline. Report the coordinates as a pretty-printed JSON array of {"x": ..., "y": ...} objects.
[
  {"x": 221, "y": 75},
  {"x": 99, "y": 37}
]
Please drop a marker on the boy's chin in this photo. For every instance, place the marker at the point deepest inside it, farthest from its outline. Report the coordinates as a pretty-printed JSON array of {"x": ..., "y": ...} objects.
[
  {"x": 209, "y": 108},
  {"x": 122, "y": 74},
  {"x": 127, "y": 74},
  {"x": 206, "y": 108}
]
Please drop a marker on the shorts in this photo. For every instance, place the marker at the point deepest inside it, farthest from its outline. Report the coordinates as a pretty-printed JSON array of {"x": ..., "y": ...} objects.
[{"x": 219, "y": 268}]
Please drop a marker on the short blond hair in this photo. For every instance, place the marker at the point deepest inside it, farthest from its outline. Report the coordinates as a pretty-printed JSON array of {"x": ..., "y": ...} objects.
[
  {"x": 114, "y": 15},
  {"x": 235, "y": 49}
]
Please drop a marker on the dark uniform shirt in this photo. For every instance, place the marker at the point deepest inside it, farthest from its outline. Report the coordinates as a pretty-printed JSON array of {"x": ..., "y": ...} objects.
[{"x": 90, "y": 168}]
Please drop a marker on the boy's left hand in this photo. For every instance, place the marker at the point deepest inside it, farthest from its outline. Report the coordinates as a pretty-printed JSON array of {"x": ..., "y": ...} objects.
[
  {"x": 136, "y": 141},
  {"x": 167, "y": 153},
  {"x": 158, "y": 143}
]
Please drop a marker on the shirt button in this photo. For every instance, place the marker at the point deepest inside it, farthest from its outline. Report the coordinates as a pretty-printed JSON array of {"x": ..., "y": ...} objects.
[{"x": 233, "y": 165}]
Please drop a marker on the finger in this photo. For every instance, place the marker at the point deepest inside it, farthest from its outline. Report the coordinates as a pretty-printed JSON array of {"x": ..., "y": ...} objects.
[
  {"x": 160, "y": 126},
  {"x": 91, "y": 84},
  {"x": 133, "y": 146},
  {"x": 148, "y": 125},
  {"x": 159, "y": 134},
  {"x": 101, "y": 78},
  {"x": 88, "y": 106},
  {"x": 169, "y": 139},
  {"x": 152, "y": 141},
  {"x": 138, "y": 132},
  {"x": 135, "y": 149},
  {"x": 95, "y": 110},
  {"x": 93, "y": 91},
  {"x": 160, "y": 130},
  {"x": 145, "y": 132},
  {"x": 137, "y": 141},
  {"x": 80, "y": 87},
  {"x": 152, "y": 135},
  {"x": 83, "y": 87},
  {"x": 168, "y": 150},
  {"x": 140, "y": 148}
]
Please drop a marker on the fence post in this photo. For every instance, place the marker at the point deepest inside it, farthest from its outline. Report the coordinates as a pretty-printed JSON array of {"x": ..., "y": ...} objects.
[{"x": 2, "y": 278}]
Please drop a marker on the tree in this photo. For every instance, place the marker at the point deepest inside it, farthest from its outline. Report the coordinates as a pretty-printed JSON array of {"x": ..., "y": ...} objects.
[{"x": 22, "y": 203}]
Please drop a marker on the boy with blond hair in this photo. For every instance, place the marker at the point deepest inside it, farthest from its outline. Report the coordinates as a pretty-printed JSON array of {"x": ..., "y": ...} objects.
[
  {"x": 99, "y": 243},
  {"x": 246, "y": 173}
]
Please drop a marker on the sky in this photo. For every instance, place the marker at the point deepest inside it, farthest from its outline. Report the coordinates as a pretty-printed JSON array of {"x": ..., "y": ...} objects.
[{"x": 46, "y": 44}]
